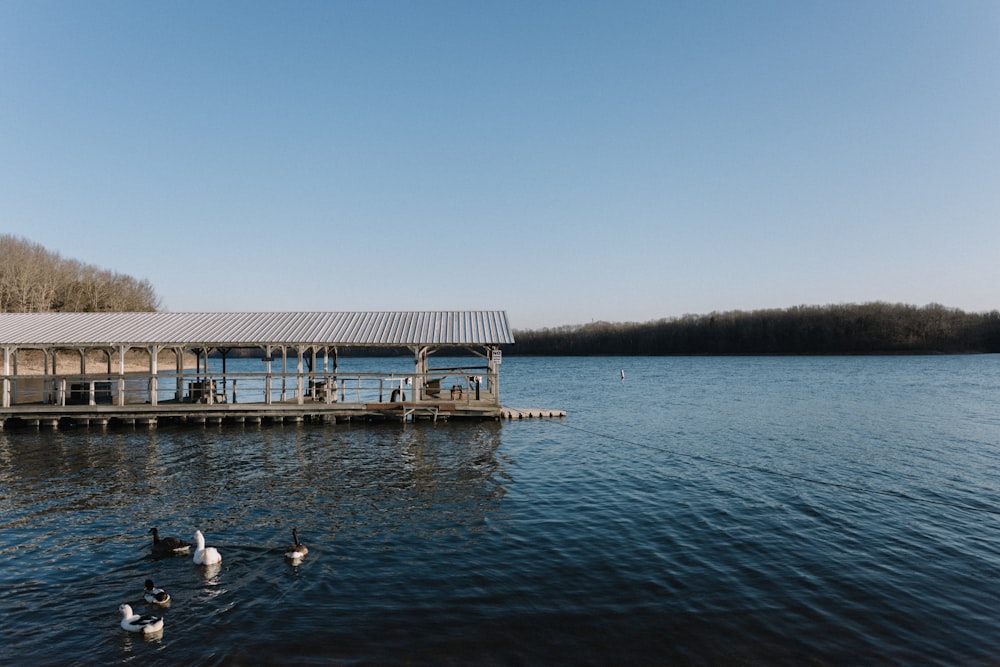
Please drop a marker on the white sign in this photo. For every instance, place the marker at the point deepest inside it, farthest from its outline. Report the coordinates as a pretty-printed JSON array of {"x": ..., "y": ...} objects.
[{"x": 497, "y": 356}]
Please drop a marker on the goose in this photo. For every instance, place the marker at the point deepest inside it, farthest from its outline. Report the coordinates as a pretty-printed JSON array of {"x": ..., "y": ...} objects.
[
  {"x": 205, "y": 555},
  {"x": 154, "y": 595},
  {"x": 144, "y": 623},
  {"x": 296, "y": 550},
  {"x": 168, "y": 546}
]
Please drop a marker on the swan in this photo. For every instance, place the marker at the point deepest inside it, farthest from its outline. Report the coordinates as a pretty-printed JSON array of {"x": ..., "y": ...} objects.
[
  {"x": 296, "y": 550},
  {"x": 154, "y": 595},
  {"x": 204, "y": 555},
  {"x": 145, "y": 623},
  {"x": 168, "y": 546}
]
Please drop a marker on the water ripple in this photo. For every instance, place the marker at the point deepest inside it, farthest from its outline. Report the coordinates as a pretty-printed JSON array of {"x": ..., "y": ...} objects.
[{"x": 708, "y": 511}]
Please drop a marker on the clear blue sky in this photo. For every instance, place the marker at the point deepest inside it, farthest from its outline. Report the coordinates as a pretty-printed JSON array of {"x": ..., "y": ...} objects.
[{"x": 564, "y": 161}]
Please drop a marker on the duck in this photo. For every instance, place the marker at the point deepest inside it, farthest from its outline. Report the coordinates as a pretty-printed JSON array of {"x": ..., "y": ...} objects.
[
  {"x": 205, "y": 555},
  {"x": 154, "y": 595},
  {"x": 144, "y": 623},
  {"x": 296, "y": 550},
  {"x": 168, "y": 546}
]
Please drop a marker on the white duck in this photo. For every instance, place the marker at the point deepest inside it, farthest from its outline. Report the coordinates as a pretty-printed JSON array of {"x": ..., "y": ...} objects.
[
  {"x": 204, "y": 555},
  {"x": 296, "y": 550},
  {"x": 144, "y": 623},
  {"x": 154, "y": 595}
]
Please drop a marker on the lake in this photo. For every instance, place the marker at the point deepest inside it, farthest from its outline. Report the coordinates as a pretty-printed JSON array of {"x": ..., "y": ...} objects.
[{"x": 704, "y": 511}]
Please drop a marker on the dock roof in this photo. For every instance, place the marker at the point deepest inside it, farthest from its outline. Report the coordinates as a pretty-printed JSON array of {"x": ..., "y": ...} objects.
[{"x": 242, "y": 329}]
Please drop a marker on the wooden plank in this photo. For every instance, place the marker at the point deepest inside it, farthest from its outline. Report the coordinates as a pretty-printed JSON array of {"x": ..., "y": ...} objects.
[{"x": 404, "y": 405}]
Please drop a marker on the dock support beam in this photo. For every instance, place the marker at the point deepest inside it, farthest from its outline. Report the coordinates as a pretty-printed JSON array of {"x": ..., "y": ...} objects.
[
  {"x": 5, "y": 402},
  {"x": 121, "y": 375},
  {"x": 154, "y": 353}
]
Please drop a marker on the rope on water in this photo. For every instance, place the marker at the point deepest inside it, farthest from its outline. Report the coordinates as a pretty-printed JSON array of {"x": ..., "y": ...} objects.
[{"x": 777, "y": 473}]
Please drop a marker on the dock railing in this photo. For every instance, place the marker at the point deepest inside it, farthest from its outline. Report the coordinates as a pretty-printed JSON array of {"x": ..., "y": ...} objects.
[{"x": 457, "y": 385}]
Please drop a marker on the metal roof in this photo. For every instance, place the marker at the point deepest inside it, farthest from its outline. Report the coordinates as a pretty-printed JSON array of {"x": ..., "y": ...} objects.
[{"x": 335, "y": 329}]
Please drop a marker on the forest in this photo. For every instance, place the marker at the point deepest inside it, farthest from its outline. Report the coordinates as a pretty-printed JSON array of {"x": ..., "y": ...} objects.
[
  {"x": 869, "y": 328},
  {"x": 34, "y": 279}
]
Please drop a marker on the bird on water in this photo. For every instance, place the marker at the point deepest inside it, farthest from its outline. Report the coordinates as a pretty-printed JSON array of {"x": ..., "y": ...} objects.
[
  {"x": 144, "y": 623},
  {"x": 154, "y": 595},
  {"x": 204, "y": 555},
  {"x": 168, "y": 546},
  {"x": 296, "y": 550}
]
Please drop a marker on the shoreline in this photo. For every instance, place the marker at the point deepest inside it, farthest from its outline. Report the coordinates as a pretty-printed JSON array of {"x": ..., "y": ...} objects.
[{"x": 32, "y": 362}]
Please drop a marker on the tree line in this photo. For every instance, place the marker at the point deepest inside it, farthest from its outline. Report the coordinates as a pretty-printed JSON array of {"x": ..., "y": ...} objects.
[
  {"x": 34, "y": 279},
  {"x": 869, "y": 328}
]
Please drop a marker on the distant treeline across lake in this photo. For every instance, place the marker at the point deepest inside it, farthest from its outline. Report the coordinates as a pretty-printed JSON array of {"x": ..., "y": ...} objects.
[{"x": 870, "y": 328}]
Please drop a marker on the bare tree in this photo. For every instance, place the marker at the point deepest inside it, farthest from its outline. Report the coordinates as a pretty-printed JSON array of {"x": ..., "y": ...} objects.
[{"x": 33, "y": 279}]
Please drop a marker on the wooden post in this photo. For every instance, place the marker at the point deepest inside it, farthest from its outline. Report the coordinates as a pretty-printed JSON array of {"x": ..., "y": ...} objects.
[
  {"x": 179, "y": 364},
  {"x": 300, "y": 381},
  {"x": 6, "y": 379},
  {"x": 267, "y": 375},
  {"x": 154, "y": 353},
  {"x": 312, "y": 372},
  {"x": 225, "y": 352},
  {"x": 284, "y": 371},
  {"x": 494, "y": 359},
  {"x": 209, "y": 386},
  {"x": 46, "y": 379},
  {"x": 121, "y": 375}
]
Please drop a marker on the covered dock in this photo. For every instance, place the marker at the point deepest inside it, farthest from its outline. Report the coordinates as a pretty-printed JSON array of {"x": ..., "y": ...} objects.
[{"x": 86, "y": 369}]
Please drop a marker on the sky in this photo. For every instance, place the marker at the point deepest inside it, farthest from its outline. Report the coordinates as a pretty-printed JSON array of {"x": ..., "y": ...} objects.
[{"x": 565, "y": 161}]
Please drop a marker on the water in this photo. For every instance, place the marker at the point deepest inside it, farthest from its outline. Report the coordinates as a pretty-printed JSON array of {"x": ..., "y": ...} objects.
[{"x": 833, "y": 511}]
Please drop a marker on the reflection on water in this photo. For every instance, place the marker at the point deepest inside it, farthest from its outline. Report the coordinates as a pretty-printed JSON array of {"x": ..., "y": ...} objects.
[
  {"x": 77, "y": 507},
  {"x": 211, "y": 574},
  {"x": 148, "y": 638}
]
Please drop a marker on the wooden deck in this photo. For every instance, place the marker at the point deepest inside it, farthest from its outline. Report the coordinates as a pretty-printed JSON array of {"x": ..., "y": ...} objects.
[
  {"x": 215, "y": 397},
  {"x": 83, "y": 369},
  {"x": 78, "y": 369},
  {"x": 203, "y": 396},
  {"x": 71, "y": 416},
  {"x": 74, "y": 416}
]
